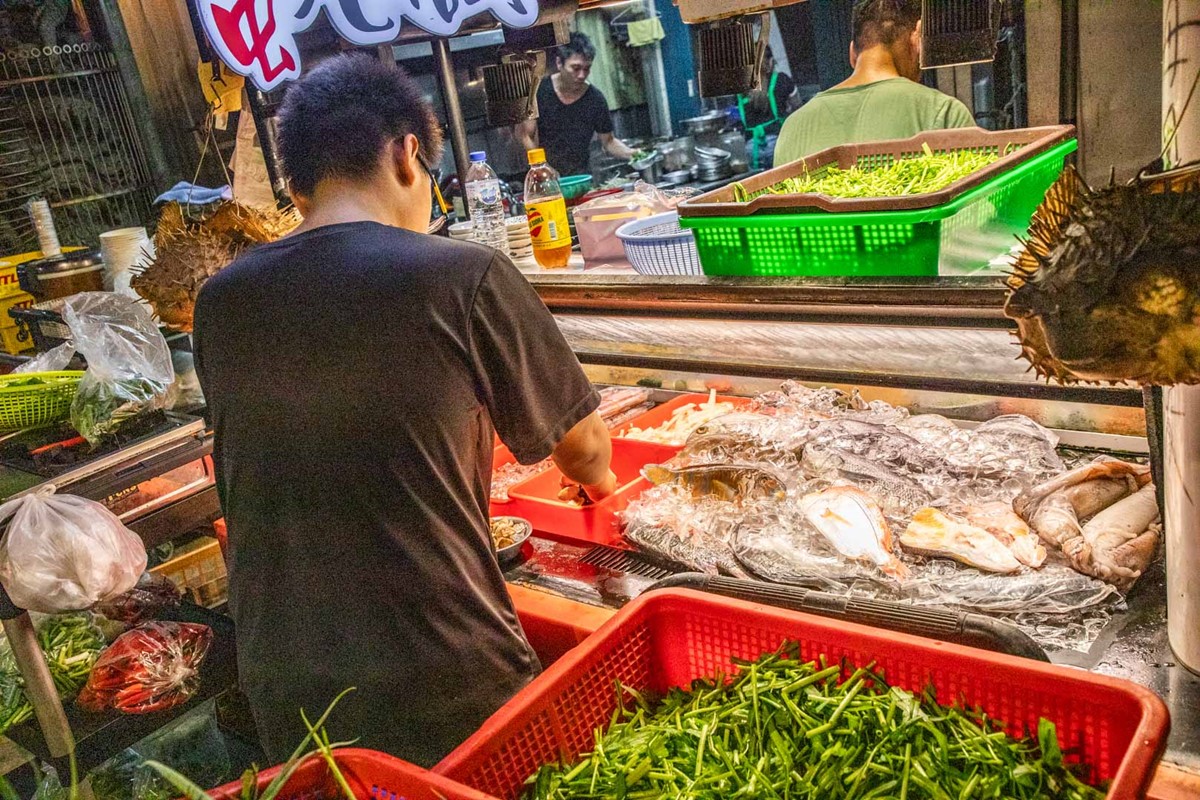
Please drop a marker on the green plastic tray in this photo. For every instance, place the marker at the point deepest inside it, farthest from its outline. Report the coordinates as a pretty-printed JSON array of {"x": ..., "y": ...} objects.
[{"x": 957, "y": 237}]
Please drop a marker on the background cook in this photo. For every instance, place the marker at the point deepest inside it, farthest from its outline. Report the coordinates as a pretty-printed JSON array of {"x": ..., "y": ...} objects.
[
  {"x": 570, "y": 112},
  {"x": 883, "y": 98}
]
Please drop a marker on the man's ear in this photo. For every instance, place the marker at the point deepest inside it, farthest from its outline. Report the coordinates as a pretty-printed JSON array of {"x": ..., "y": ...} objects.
[
  {"x": 404, "y": 159},
  {"x": 853, "y": 55},
  {"x": 916, "y": 40},
  {"x": 299, "y": 201}
]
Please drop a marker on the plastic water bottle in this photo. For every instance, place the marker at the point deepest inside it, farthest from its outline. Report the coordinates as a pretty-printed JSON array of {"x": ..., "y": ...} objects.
[{"x": 485, "y": 204}]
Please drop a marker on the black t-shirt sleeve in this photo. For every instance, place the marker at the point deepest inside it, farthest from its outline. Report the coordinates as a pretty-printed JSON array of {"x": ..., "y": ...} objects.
[
  {"x": 601, "y": 118},
  {"x": 529, "y": 379}
]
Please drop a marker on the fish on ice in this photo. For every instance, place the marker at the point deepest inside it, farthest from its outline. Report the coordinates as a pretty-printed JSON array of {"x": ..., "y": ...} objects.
[{"x": 854, "y": 524}]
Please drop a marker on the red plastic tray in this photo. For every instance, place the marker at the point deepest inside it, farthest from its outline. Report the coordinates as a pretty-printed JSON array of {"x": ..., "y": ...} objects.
[
  {"x": 536, "y": 499},
  {"x": 668, "y": 638},
  {"x": 370, "y": 775},
  {"x": 661, "y": 413}
]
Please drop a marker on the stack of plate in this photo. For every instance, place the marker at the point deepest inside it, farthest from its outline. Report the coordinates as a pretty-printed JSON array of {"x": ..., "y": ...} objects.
[
  {"x": 519, "y": 244},
  {"x": 462, "y": 231},
  {"x": 713, "y": 164}
]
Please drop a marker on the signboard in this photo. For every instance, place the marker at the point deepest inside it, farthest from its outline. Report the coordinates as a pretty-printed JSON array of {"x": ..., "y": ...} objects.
[{"x": 257, "y": 38}]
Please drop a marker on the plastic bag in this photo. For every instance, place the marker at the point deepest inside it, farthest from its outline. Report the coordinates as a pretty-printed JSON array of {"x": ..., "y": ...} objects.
[
  {"x": 129, "y": 363},
  {"x": 153, "y": 667},
  {"x": 53, "y": 360},
  {"x": 66, "y": 553},
  {"x": 143, "y": 602}
]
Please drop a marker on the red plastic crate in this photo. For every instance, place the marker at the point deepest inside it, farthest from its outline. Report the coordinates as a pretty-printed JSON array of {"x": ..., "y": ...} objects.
[
  {"x": 536, "y": 499},
  {"x": 668, "y": 638},
  {"x": 661, "y": 413},
  {"x": 370, "y": 775}
]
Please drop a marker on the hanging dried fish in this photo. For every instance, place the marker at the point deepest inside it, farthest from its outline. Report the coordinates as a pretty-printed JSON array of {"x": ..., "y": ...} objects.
[
  {"x": 1108, "y": 286},
  {"x": 190, "y": 249}
]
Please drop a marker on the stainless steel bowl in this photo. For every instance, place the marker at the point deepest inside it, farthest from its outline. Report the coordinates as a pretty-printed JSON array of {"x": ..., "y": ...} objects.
[
  {"x": 712, "y": 122},
  {"x": 678, "y": 177},
  {"x": 508, "y": 555}
]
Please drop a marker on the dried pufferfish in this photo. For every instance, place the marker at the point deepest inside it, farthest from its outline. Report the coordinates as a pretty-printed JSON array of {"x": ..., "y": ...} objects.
[
  {"x": 1108, "y": 286},
  {"x": 191, "y": 249}
]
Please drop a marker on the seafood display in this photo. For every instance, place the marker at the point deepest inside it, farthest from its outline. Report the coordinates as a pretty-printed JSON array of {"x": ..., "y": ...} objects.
[{"x": 817, "y": 487}]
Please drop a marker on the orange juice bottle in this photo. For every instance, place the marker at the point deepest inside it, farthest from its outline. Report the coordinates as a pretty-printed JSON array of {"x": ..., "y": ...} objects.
[{"x": 547, "y": 213}]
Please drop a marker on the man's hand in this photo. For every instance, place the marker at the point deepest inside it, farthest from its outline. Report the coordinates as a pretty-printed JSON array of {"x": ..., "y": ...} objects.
[
  {"x": 571, "y": 492},
  {"x": 584, "y": 456},
  {"x": 615, "y": 147}
]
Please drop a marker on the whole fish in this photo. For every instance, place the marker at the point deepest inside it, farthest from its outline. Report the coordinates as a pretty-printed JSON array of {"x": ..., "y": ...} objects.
[
  {"x": 735, "y": 422},
  {"x": 724, "y": 447},
  {"x": 731, "y": 482},
  {"x": 932, "y": 533},
  {"x": 854, "y": 524},
  {"x": 892, "y": 489},
  {"x": 999, "y": 519},
  {"x": 702, "y": 551}
]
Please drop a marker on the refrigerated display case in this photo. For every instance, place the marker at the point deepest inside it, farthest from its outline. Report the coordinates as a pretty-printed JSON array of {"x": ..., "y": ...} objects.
[{"x": 939, "y": 345}]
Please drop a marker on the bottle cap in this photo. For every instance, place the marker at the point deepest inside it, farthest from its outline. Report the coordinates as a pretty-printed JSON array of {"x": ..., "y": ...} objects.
[
  {"x": 536, "y": 156},
  {"x": 478, "y": 155}
]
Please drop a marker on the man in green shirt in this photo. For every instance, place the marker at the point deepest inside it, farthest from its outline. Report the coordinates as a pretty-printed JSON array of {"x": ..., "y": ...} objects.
[{"x": 882, "y": 99}]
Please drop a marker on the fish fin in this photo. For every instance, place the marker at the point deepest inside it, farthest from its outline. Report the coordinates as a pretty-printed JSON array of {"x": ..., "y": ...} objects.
[{"x": 657, "y": 474}]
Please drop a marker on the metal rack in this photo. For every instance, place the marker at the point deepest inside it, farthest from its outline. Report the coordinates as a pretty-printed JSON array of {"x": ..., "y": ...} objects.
[{"x": 96, "y": 737}]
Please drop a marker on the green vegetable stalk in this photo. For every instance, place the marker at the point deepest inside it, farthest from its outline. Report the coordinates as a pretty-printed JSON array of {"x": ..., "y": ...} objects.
[
  {"x": 786, "y": 729},
  {"x": 71, "y": 644},
  {"x": 922, "y": 174}
]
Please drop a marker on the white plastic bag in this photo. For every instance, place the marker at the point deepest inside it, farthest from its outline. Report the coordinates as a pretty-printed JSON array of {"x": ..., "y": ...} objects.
[
  {"x": 66, "y": 553},
  {"x": 129, "y": 364},
  {"x": 53, "y": 360}
]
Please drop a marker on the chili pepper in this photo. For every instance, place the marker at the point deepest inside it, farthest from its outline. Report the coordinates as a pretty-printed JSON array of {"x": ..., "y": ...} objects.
[{"x": 149, "y": 668}]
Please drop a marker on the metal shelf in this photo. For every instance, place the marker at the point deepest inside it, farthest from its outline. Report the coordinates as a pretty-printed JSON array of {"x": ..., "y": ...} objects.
[{"x": 98, "y": 737}]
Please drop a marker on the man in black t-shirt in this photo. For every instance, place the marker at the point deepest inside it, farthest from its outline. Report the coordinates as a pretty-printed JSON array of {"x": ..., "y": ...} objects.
[
  {"x": 570, "y": 112},
  {"x": 355, "y": 371}
]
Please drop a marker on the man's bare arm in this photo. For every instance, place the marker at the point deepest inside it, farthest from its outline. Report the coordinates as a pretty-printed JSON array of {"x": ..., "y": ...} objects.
[{"x": 585, "y": 456}]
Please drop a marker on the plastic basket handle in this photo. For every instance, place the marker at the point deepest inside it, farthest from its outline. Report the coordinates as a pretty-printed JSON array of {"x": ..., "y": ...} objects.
[{"x": 973, "y": 630}]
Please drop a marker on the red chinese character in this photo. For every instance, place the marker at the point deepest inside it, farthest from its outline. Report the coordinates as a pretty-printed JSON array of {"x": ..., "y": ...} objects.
[{"x": 228, "y": 22}]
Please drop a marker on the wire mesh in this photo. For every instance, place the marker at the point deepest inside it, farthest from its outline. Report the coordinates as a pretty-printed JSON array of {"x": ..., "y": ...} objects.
[{"x": 67, "y": 133}]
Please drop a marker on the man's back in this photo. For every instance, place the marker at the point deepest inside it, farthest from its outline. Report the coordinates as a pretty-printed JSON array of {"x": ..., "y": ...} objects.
[
  {"x": 354, "y": 372},
  {"x": 889, "y": 109}
]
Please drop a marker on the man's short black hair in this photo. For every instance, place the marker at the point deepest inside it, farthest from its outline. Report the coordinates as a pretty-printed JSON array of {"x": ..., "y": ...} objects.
[
  {"x": 579, "y": 45},
  {"x": 883, "y": 21},
  {"x": 337, "y": 119}
]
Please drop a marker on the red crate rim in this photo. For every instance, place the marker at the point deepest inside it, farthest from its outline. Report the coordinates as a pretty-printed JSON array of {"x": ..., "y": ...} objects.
[{"x": 368, "y": 767}]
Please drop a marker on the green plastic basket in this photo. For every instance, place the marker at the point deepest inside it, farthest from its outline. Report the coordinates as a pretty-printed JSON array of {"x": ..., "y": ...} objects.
[
  {"x": 957, "y": 237},
  {"x": 25, "y": 404}
]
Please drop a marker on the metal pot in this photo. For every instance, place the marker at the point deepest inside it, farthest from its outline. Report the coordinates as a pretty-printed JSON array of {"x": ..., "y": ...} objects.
[
  {"x": 650, "y": 169},
  {"x": 678, "y": 154},
  {"x": 712, "y": 122}
]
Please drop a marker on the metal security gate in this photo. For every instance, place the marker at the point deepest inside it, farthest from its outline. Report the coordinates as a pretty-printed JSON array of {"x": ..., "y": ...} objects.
[{"x": 67, "y": 134}]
